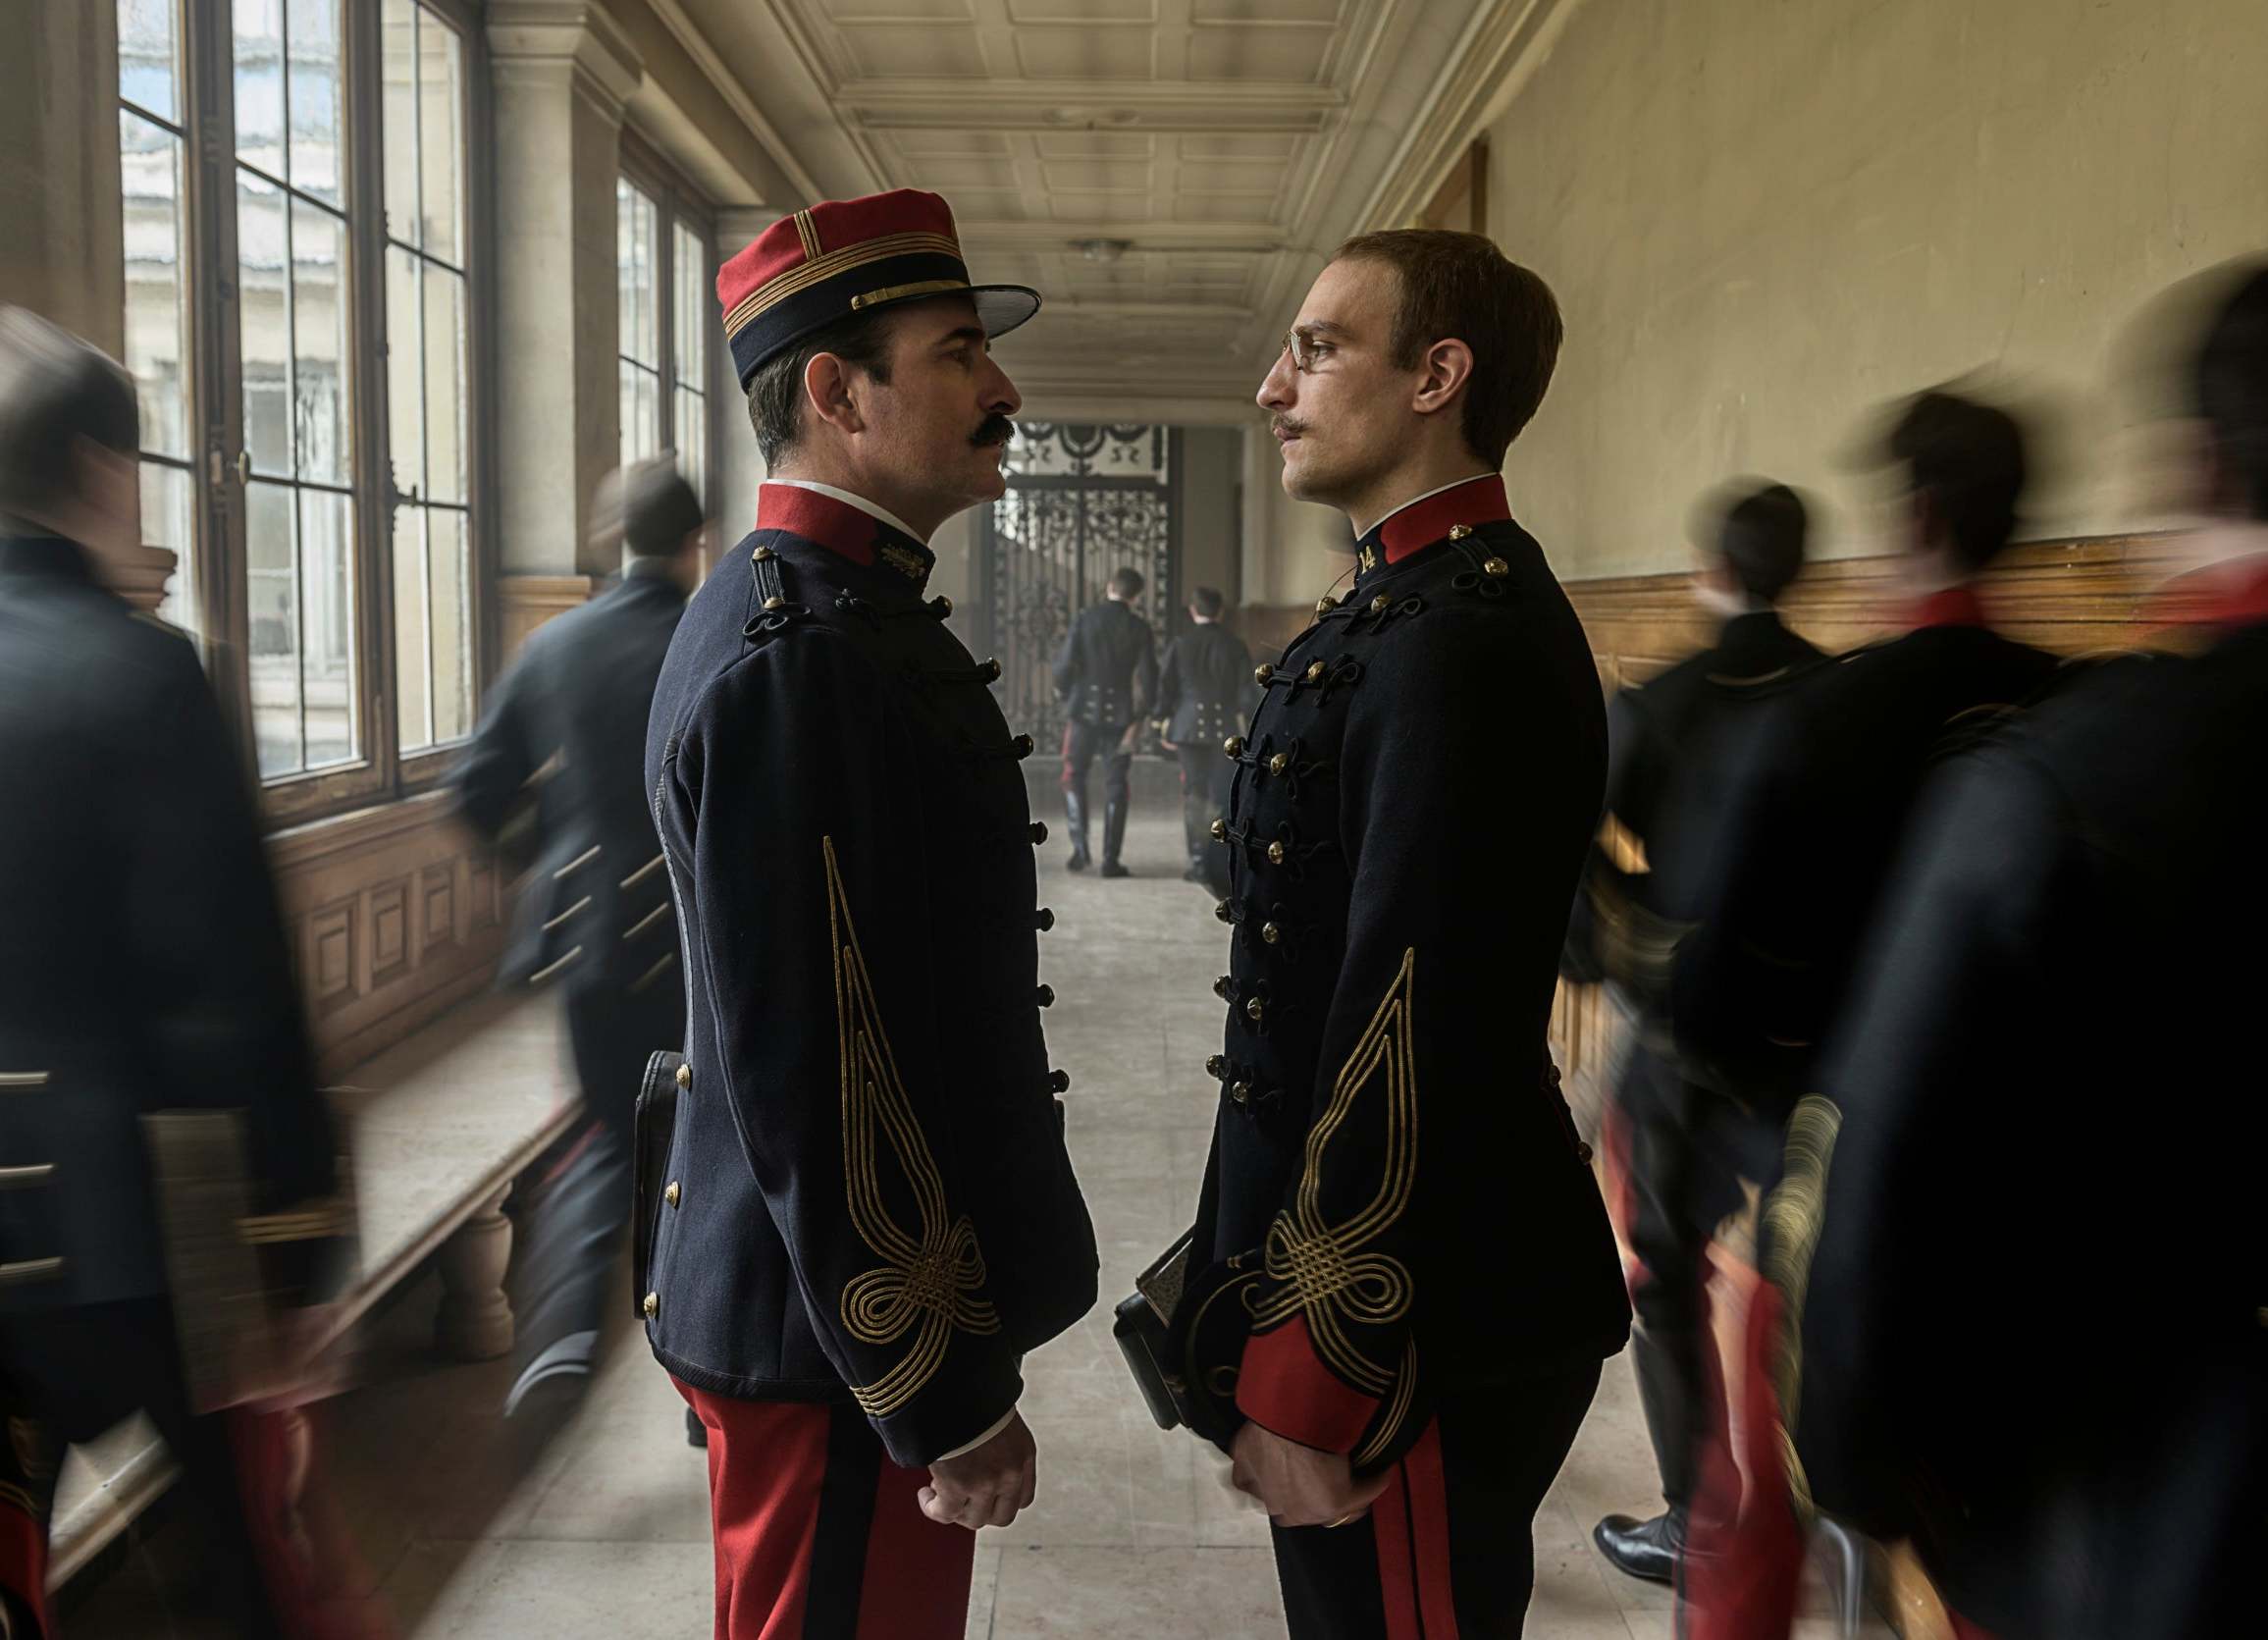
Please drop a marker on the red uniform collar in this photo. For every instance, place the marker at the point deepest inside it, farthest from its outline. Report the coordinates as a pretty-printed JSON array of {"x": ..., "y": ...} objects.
[
  {"x": 1475, "y": 502},
  {"x": 1947, "y": 607},
  {"x": 845, "y": 530},
  {"x": 2223, "y": 595}
]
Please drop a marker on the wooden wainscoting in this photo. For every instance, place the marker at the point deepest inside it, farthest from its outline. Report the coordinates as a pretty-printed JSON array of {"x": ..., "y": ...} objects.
[
  {"x": 2074, "y": 597},
  {"x": 529, "y": 600},
  {"x": 394, "y": 913}
]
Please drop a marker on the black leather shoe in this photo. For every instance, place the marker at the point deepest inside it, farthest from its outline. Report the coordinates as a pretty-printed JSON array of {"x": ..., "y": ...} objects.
[
  {"x": 1647, "y": 1549},
  {"x": 1079, "y": 862},
  {"x": 1112, "y": 869}
]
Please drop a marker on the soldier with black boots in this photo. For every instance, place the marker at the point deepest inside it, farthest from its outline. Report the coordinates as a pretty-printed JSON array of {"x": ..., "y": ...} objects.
[
  {"x": 557, "y": 771},
  {"x": 1204, "y": 690},
  {"x": 1397, "y": 1183},
  {"x": 2023, "y": 1219},
  {"x": 1107, "y": 674},
  {"x": 864, "y": 1215},
  {"x": 1673, "y": 1166},
  {"x": 1814, "y": 818},
  {"x": 143, "y": 972}
]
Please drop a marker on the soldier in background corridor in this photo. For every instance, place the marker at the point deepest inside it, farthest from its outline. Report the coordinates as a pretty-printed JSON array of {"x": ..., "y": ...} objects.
[
  {"x": 1107, "y": 674},
  {"x": 1204, "y": 689}
]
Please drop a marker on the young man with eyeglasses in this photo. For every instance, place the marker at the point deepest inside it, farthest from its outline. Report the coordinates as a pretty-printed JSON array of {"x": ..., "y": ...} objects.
[{"x": 1395, "y": 1178}]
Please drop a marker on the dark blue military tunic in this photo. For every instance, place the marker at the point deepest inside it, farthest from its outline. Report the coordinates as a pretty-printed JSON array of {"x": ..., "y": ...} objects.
[
  {"x": 1412, "y": 803},
  {"x": 868, "y": 1191}
]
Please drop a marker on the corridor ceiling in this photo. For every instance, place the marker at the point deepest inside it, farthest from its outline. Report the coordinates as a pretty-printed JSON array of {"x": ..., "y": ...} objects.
[{"x": 1227, "y": 144}]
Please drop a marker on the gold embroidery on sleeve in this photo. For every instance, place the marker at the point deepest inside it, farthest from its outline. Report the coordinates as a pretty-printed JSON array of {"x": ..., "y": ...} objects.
[
  {"x": 927, "y": 1283},
  {"x": 1322, "y": 1270}
]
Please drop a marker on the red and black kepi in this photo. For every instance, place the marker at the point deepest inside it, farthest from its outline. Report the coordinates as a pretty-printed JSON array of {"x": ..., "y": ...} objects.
[{"x": 846, "y": 256}]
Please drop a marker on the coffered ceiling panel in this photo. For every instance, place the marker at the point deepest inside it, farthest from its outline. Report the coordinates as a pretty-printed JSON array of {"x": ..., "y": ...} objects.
[
  {"x": 897, "y": 53},
  {"x": 1168, "y": 173},
  {"x": 1098, "y": 54},
  {"x": 1288, "y": 56},
  {"x": 1312, "y": 14}
]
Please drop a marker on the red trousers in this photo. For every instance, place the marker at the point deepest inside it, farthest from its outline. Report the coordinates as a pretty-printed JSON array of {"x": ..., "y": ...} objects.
[
  {"x": 1746, "y": 1565},
  {"x": 818, "y": 1535}
]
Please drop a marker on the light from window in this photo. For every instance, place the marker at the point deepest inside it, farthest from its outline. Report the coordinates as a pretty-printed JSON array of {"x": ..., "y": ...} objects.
[
  {"x": 426, "y": 323},
  {"x": 152, "y": 155},
  {"x": 689, "y": 314},
  {"x": 292, "y": 275},
  {"x": 637, "y": 223}
]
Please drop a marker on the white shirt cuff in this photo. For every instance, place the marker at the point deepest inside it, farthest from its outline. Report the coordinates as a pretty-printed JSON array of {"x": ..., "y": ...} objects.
[{"x": 1006, "y": 1418}]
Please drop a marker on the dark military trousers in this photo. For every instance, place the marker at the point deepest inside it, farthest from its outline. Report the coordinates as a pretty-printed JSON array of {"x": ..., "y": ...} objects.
[
  {"x": 573, "y": 1203},
  {"x": 1447, "y": 1548},
  {"x": 1673, "y": 1178},
  {"x": 65, "y": 1377},
  {"x": 1083, "y": 743},
  {"x": 1206, "y": 779}
]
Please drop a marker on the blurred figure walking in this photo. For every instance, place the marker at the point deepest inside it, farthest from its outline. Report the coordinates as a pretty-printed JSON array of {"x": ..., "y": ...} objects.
[
  {"x": 1814, "y": 820},
  {"x": 1674, "y": 1162},
  {"x": 2032, "y": 1334},
  {"x": 143, "y": 970},
  {"x": 556, "y": 776}
]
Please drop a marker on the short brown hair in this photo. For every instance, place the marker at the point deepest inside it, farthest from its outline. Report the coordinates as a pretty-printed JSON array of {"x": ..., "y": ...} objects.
[{"x": 1460, "y": 286}]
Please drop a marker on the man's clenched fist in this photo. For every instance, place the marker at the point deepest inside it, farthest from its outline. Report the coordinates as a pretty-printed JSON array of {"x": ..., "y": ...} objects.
[
  {"x": 988, "y": 1486},
  {"x": 1300, "y": 1485}
]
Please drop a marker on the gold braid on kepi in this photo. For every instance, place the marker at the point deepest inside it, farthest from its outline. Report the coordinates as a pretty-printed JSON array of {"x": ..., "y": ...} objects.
[
  {"x": 929, "y": 1280},
  {"x": 1794, "y": 1215},
  {"x": 1322, "y": 1271}
]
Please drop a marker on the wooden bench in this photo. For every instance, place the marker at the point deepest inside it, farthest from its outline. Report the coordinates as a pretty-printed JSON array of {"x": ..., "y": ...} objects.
[{"x": 439, "y": 1126}]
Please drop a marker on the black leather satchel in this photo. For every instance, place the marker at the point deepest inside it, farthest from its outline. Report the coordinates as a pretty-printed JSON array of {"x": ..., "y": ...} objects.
[
  {"x": 655, "y": 1128},
  {"x": 1182, "y": 1336}
]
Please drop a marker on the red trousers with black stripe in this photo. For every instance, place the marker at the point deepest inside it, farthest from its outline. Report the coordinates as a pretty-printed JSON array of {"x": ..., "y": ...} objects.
[
  {"x": 818, "y": 1535},
  {"x": 1445, "y": 1552}
]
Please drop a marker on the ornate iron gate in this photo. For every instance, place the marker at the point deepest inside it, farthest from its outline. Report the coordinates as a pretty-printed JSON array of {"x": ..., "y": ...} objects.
[{"x": 1082, "y": 502}]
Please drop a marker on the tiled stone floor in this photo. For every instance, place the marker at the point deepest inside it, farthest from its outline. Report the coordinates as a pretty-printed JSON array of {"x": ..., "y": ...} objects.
[{"x": 472, "y": 1529}]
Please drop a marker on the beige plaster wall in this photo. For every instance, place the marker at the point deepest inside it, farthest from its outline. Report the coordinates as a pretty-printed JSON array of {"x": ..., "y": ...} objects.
[{"x": 1763, "y": 216}]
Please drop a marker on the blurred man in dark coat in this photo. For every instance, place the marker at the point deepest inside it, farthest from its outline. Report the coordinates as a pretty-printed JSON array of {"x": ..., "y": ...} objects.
[
  {"x": 558, "y": 774},
  {"x": 1204, "y": 689},
  {"x": 1107, "y": 674},
  {"x": 2032, "y": 1323},
  {"x": 1672, "y": 1167},
  {"x": 1814, "y": 818},
  {"x": 142, "y": 970}
]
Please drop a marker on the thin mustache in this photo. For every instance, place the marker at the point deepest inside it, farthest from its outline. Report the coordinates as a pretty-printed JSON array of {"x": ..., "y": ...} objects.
[
  {"x": 997, "y": 430},
  {"x": 1281, "y": 426}
]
